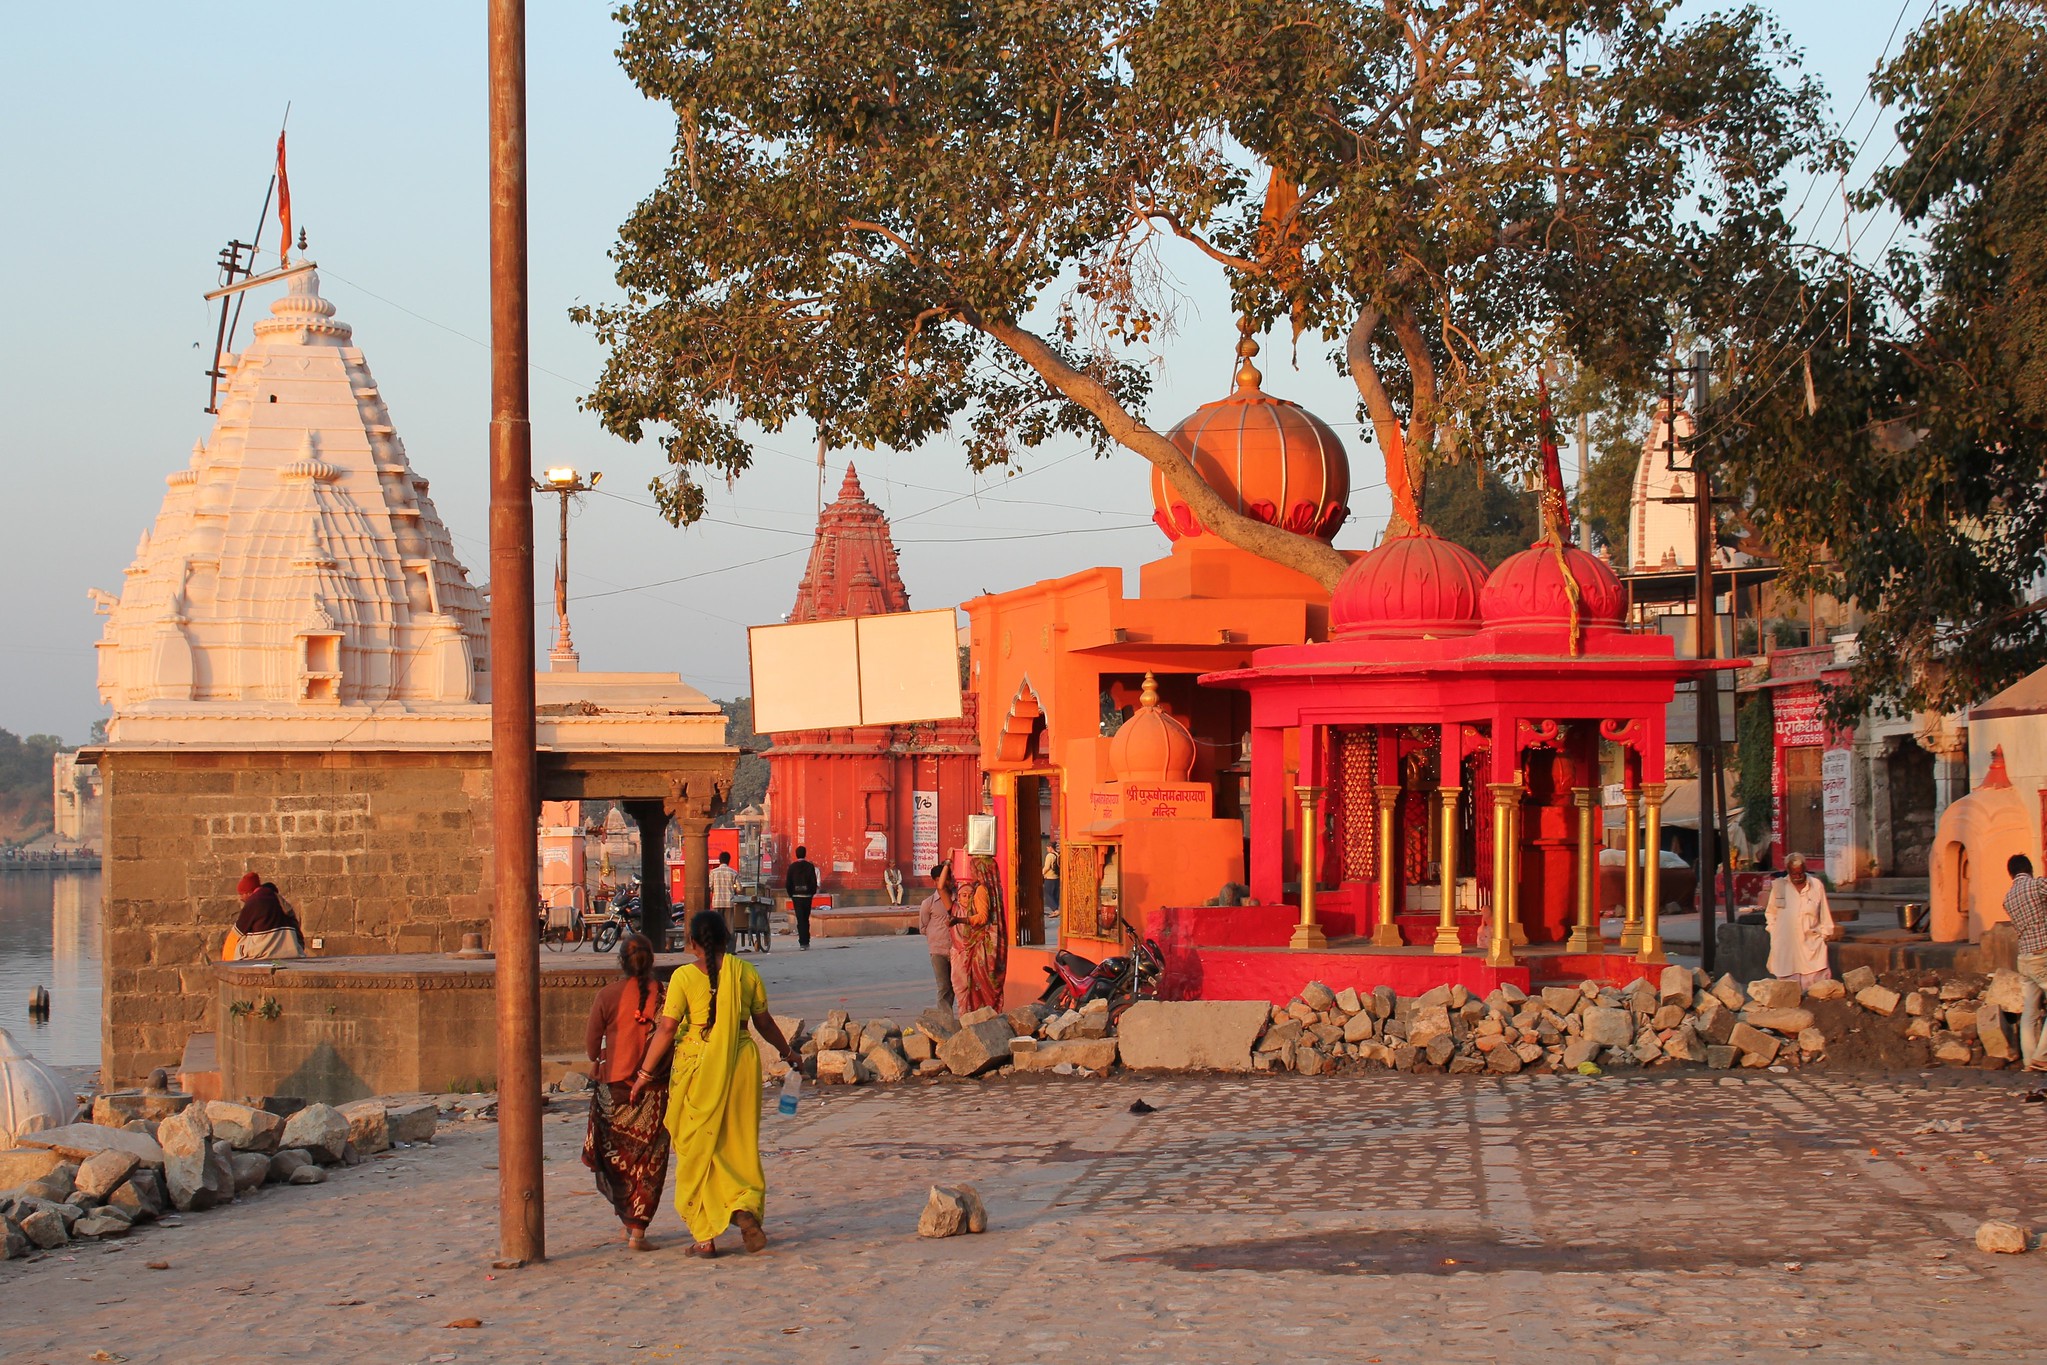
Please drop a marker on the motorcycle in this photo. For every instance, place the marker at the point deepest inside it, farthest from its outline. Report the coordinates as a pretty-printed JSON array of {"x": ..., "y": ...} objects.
[
  {"x": 1072, "y": 980},
  {"x": 622, "y": 917}
]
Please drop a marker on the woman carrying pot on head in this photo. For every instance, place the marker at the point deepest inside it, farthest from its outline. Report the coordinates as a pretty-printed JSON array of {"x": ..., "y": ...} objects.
[
  {"x": 714, "y": 1086},
  {"x": 627, "y": 1146}
]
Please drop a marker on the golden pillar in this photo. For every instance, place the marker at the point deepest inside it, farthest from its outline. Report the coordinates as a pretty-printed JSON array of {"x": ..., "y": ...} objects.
[
  {"x": 1650, "y": 953},
  {"x": 1308, "y": 935},
  {"x": 1387, "y": 935},
  {"x": 1585, "y": 934},
  {"x": 1446, "y": 927},
  {"x": 1516, "y": 930},
  {"x": 1631, "y": 874},
  {"x": 1500, "y": 941}
]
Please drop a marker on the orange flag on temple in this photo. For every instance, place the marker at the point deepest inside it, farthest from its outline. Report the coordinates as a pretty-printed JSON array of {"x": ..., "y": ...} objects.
[
  {"x": 1284, "y": 237},
  {"x": 1554, "y": 509},
  {"x": 283, "y": 205}
]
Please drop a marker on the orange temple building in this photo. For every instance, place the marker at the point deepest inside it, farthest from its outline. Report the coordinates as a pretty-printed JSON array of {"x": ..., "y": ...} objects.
[
  {"x": 1096, "y": 735},
  {"x": 873, "y": 797},
  {"x": 1438, "y": 732}
]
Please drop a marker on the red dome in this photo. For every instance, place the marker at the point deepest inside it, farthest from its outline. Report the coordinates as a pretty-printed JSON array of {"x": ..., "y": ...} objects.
[
  {"x": 1268, "y": 458},
  {"x": 1413, "y": 585},
  {"x": 1528, "y": 590}
]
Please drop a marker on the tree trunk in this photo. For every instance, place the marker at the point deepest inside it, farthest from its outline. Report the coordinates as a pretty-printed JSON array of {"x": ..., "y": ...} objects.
[
  {"x": 1304, "y": 554},
  {"x": 1401, "y": 449}
]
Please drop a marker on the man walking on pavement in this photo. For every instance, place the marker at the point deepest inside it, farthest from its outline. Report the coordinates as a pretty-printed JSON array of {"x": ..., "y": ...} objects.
[
  {"x": 801, "y": 884},
  {"x": 934, "y": 919},
  {"x": 2026, "y": 903},
  {"x": 724, "y": 882}
]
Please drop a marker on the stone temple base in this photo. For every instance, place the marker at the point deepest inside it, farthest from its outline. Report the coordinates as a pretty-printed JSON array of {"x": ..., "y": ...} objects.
[{"x": 342, "y": 1028}]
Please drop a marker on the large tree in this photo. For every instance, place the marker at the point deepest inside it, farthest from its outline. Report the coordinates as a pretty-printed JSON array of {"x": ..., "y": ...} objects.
[
  {"x": 1889, "y": 433},
  {"x": 894, "y": 217}
]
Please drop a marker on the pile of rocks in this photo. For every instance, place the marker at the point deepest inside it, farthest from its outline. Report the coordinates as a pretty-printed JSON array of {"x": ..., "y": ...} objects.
[
  {"x": 1686, "y": 1017},
  {"x": 92, "y": 1180},
  {"x": 1034, "y": 1037}
]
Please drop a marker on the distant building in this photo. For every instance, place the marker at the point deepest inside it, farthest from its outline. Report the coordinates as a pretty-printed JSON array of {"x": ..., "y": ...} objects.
[
  {"x": 76, "y": 802},
  {"x": 865, "y": 799}
]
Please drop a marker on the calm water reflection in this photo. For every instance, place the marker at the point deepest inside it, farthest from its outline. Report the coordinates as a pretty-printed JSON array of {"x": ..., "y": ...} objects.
[{"x": 50, "y": 936}]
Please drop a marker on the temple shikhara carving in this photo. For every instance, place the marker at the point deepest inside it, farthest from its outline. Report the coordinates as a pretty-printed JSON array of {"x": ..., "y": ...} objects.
[
  {"x": 298, "y": 565},
  {"x": 297, "y": 664},
  {"x": 869, "y": 798}
]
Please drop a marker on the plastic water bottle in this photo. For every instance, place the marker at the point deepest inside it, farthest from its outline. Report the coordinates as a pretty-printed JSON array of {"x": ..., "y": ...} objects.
[{"x": 792, "y": 1086}]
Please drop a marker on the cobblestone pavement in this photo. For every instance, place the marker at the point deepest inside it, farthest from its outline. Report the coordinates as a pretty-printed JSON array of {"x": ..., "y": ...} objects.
[{"x": 1370, "y": 1218}]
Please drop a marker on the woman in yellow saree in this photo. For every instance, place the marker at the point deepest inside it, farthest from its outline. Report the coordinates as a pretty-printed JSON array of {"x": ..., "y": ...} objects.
[{"x": 714, "y": 1090}]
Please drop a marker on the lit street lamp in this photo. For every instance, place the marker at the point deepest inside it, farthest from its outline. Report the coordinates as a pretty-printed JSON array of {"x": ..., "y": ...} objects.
[{"x": 563, "y": 479}]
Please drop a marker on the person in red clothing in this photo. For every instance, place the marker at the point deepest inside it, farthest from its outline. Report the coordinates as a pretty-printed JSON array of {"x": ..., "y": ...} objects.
[{"x": 627, "y": 1145}]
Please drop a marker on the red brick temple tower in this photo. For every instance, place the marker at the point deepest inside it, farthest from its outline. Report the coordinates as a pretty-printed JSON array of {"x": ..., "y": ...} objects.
[{"x": 873, "y": 797}]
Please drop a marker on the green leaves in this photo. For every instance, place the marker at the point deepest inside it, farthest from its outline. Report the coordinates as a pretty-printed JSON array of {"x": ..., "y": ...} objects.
[
  {"x": 1918, "y": 488},
  {"x": 895, "y": 218}
]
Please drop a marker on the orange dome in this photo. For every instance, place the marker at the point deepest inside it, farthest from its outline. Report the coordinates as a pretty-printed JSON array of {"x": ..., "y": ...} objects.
[
  {"x": 1418, "y": 584},
  {"x": 1267, "y": 457},
  {"x": 1151, "y": 746},
  {"x": 1528, "y": 590}
]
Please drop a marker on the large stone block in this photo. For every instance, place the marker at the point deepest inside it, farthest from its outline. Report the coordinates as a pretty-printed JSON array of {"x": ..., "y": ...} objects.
[
  {"x": 1609, "y": 1027},
  {"x": 1190, "y": 1035},
  {"x": 1775, "y": 993},
  {"x": 243, "y": 1128},
  {"x": 20, "y": 1165},
  {"x": 80, "y": 1141},
  {"x": 319, "y": 1129},
  {"x": 1091, "y": 1054},
  {"x": 1753, "y": 1042},
  {"x": 369, "y": 1126},
  {"x": 977, "y": 1047},
  {"x": 195, "y": 1177},
  {"x": 1778, "y": 1020},
  {"x": 101, "y": 1175}
]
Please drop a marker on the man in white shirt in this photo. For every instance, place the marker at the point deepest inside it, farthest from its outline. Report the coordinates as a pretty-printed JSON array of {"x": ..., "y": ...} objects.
[
  {"x": 1801, "y": 925},
  {"x": 724, "y": 882}
]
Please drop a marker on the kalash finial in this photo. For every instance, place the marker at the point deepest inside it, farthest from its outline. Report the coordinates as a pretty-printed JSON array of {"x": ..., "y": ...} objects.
[
  {"x": 1247, "y": 347},
  {"x": 1148, "y": 695}
]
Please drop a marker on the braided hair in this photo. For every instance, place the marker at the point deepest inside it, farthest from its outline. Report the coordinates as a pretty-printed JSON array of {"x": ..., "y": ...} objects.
[
  {"x": 636, "y": 960},
  {"x": 708, "y": 930}
]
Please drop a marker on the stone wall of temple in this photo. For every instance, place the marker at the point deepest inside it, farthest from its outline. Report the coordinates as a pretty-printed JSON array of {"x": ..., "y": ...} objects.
[{"x": 378, "y": 851}]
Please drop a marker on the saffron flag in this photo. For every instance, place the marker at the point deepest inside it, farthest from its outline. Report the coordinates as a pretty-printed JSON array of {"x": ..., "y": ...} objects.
[{"x": 283, "y": 205}]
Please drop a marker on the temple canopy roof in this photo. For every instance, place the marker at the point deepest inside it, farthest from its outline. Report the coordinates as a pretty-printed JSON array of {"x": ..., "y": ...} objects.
[{"x": 297, "y": 561}]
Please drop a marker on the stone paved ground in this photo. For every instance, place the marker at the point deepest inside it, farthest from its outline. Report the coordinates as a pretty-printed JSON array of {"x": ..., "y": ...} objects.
[{"x": 1371, "y": 1218}]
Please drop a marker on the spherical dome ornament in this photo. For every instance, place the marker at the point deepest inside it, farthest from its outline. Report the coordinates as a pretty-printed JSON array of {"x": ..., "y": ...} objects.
[
  {"x": 1416, "y": 585},
  {"x": 1528, "y": 590},
  {"x": 1268, "y": 458},
  {"x": 1151, "y": 746},
  {"x": 32, "y": 1096}
]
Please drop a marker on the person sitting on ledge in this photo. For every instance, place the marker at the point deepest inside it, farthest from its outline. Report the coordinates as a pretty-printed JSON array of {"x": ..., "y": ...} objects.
[{"x": 267, "y": 927}]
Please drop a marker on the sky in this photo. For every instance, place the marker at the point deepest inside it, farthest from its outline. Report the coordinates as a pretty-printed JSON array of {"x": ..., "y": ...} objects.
[{"x": 136, "y": 148}]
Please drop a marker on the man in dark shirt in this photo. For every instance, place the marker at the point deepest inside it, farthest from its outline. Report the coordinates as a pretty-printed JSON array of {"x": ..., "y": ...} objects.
[{"x": 801, "y": 884}]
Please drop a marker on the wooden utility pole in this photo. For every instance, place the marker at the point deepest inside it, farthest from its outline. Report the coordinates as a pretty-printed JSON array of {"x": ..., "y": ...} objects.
[
  {"x": 515, "y": 807},
  {"x": 1705, "y": 646}
]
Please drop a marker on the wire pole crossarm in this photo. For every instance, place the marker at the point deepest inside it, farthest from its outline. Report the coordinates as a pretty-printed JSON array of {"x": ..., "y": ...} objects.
[{"x": 515, "y": 808}]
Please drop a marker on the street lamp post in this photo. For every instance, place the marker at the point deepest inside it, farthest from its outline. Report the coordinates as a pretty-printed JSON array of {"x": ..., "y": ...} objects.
[{"x": 565, "y": 480}]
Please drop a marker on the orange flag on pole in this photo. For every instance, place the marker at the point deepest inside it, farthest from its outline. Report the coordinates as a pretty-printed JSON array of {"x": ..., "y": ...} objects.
[{"x": 283, "y": 205}]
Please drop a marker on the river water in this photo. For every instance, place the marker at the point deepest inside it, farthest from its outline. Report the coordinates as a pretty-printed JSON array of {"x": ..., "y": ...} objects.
[{"x": 50, "y": 936}]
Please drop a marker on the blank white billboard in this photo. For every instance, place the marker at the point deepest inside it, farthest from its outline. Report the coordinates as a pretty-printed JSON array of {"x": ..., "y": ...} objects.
[{"x": 863, "y": 670}]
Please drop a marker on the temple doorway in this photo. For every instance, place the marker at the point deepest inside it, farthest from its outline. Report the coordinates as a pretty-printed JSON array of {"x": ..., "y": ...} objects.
[
  {"x": 1909, "y": 768},
  {"x": 1804, "y": 804}
]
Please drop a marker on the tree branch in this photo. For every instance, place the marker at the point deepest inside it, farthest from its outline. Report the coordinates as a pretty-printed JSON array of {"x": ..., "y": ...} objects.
[{"x": 1304, "y": 554}]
